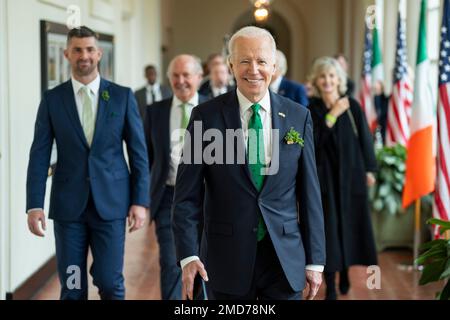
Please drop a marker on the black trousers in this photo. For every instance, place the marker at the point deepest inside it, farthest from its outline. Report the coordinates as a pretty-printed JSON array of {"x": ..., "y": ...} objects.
[
  {"x": 170, "y": 272},
  {"x": 269, "y": 281}
]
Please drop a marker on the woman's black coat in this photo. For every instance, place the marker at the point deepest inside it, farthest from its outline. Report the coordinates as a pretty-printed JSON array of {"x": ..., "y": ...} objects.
[{"x": 344, "y": 154}]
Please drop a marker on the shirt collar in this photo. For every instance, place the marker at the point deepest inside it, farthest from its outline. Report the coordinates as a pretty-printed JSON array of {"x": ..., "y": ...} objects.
[
  {"x": 150, "y": 87},
  {"x": 192, "y": 102},
  {"x": 245, "y": 104},
  {"x": 94, "y": 85},
  {"x": 275, "y": 86}
]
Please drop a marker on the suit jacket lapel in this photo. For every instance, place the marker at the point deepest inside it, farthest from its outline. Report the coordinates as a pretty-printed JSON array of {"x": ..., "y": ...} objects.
[
  {"x": 101, "y": 110},
  {"x": 164, "y": 128},
  {"x": 71, "y": 109},
  {"x": 279, "y": 113},
  {"x": 231, "y": 114}
]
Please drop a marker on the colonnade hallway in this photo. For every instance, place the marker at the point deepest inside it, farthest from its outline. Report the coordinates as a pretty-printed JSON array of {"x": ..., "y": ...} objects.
[{"x": 141, "y": 273}]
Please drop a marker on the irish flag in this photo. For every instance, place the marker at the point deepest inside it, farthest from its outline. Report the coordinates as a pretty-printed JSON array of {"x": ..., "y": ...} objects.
[
  {"x": 377, "y": 61},
  {"x": 420, "y": 162}
]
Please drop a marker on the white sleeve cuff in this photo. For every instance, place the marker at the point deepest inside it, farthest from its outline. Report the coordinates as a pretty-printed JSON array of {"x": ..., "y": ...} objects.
[
  {"x": 34, "y": 209},
  {"x": 314, "y": 267},
  {"x": 187, "y": 260}
]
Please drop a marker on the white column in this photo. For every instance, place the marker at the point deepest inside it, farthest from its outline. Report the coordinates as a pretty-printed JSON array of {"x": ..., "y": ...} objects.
[{"x": 412, "y": 29}]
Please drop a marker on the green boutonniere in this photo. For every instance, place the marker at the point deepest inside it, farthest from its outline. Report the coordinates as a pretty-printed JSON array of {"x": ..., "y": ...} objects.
[
  {"x": 105, "y": 95},
  {"x": 294, "y": 137}
]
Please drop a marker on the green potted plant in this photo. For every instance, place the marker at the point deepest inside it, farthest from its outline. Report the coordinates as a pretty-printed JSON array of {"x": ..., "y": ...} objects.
[
  {"x": 436, "y": 260},
  {"x": 393, "y": 225}
]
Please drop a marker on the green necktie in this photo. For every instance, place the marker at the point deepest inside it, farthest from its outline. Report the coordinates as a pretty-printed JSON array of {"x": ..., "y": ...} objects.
[
  {"x": 255, "y": 150},
  {"x": 88, "y": 121},
  {"x": 184, "y": 119}
]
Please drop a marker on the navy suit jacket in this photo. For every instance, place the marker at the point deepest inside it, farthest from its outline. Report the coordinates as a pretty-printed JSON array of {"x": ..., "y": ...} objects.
[
  {"x": 100, "y": 169},
  {"x": 157, "y": 134},
  {"x": 294, "y": 91},
  {"x": 289, "y": 201}
]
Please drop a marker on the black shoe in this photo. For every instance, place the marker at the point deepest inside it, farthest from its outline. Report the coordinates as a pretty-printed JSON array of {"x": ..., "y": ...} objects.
[{"x": 344, "y": 283}]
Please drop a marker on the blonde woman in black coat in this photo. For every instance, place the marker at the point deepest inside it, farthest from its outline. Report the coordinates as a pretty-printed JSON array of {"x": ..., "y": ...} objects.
[{"x": 345, "y": 164}]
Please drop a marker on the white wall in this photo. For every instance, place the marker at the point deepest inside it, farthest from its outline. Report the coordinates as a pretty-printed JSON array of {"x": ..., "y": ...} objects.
[
  {"x": 4, "y": 156},
  {"x": 135, "y": 25}
]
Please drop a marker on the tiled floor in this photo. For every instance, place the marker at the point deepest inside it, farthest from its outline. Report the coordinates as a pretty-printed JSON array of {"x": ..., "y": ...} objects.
[{"x": 142, "y": 275}]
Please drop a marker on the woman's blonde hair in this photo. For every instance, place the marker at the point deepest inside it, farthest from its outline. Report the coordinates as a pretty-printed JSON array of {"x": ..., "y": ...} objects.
[{"x": 324, "y": 64}]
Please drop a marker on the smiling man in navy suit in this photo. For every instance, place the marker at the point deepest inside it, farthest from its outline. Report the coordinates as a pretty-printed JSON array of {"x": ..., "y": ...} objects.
[
  {"x": 93, "y": 190},
  {"x": 164, "y": 148},
  {"x": 263, "y": 234}
]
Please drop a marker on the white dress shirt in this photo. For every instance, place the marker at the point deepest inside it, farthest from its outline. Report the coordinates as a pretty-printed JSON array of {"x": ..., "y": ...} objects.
[
  {"x": 94, "y": 88},
  {"x": 176, "y": 147},
  {"x": 266, "y": 119},
  {"x": 218, "y": 91},
  {"x": 156, "y": 89},
  {"x": 246, "y": 112}
]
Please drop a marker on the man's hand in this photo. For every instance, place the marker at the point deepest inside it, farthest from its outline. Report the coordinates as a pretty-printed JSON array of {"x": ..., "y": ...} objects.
[
  {"x": 314, "y": 279},
  {"x": 136, "y": 217},
  {"x": 189, "y": 272},
  {"x": 34, "y": 218}
]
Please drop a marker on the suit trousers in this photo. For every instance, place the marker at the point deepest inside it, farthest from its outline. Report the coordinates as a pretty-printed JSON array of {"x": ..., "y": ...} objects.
[
  {"x": 269, "y": 281},
  {"x": 170, "y": 271},
  {"x": 106, "y": 239}
]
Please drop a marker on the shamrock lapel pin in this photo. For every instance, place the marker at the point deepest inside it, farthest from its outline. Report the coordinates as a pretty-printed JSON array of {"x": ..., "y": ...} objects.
[
  {"x": 105, "y": 95},
  {"x": 293, "y": 137}
]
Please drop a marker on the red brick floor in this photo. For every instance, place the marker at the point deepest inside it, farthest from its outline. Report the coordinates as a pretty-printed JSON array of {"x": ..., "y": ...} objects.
[{"x": 142, "y": 275}]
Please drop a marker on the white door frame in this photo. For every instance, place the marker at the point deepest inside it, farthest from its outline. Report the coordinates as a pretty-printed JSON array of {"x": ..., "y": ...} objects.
[{"x": 5, "y": 196}]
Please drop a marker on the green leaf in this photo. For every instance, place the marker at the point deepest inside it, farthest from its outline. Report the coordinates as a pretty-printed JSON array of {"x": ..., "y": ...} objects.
[
  {"x": 446, "y": 272},
  {"x": 437, "y": 252},
  {"x": 445, "y": 225},
  {"x": 378, "y": 205},
  {"x": 433, "y": 243},
  {"x": 445, "y": 294},
  {"x": 390, "y": 160},
  {"x": 398, "y": 187},
  {"x": 392, "y": 205},
  {"x": 432, "y": 272},
  {"x": 384, "y": 190}
]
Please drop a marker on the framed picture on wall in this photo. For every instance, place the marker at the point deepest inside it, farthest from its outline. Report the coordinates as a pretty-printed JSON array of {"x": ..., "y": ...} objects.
[{"x": 55, "y": 69}]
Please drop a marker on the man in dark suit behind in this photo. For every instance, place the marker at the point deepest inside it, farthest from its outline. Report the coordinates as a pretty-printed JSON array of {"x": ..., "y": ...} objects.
[
  {"x": 164, "y": 128},
  {"x": 152, "y": 92},
  {"x": 285, "y": 87},
  {"x": 92, "y": 189},
  {"x": 258, "y": 196}
]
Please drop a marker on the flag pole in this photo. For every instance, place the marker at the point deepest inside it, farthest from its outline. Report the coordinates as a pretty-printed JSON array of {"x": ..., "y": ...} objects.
[{"x": 416, "y": 232}]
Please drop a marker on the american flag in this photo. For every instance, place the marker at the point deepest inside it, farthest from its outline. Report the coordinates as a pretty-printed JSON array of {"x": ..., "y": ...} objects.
[
  {"x": 399, "y": 110},
  {"x": 365, "y": 94},
  {"x": 441, "y": 208}
]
